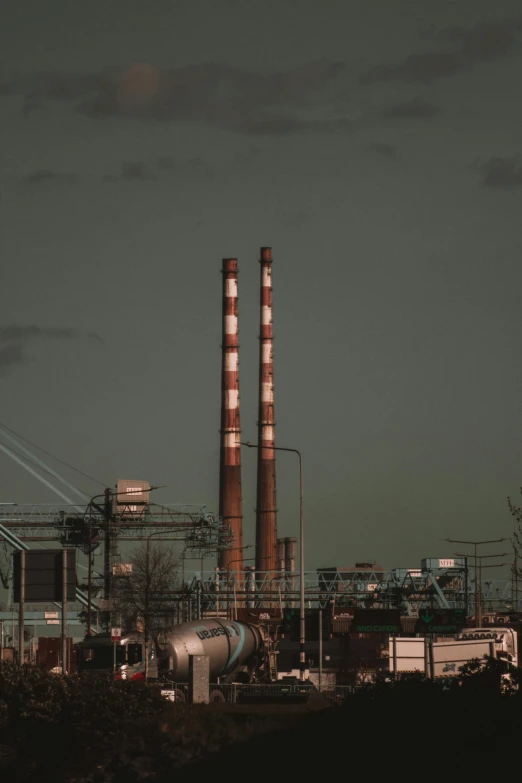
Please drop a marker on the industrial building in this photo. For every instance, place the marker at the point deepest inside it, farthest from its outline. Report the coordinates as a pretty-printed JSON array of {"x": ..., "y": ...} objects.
[{"x": 277, "y": 592}]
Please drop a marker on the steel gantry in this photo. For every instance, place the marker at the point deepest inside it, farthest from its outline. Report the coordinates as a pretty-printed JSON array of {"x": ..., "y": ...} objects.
[{"x": 406, "y": 589}]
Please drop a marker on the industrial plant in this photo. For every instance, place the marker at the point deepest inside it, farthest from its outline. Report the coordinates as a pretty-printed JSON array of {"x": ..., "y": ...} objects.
[{"x": 227, "y": 624}]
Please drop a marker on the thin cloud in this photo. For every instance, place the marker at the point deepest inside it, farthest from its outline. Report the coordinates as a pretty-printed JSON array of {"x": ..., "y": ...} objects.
[
  {"x": 144, "y": 171},
  {"x": 17, "y": 337},
  {"x": 385, "y": 150},
  {"x": 502, "y": 173},
  {"x": 46, "y": 175},
  {"x": 413, "y": 109},
  {"x": 16, "y": 332},
  {"x": 248, "y": 156},
  {"x": 229, "y": 97},
  {"x": 200, "y": 167},
  {"x": 416, "y": 68},
  {"x": 135, "y": 170},
  {"x": 11, "y": 355},
  {"x": 486, "y": 42},
  {"x": 167, "y": 163}
]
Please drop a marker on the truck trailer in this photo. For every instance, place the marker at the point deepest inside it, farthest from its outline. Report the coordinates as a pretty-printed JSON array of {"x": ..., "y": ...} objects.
[{"x": 445, "y": 657}]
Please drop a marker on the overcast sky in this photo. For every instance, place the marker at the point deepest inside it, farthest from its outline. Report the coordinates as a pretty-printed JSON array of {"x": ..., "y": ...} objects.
[{"x": 376, "y": 146}]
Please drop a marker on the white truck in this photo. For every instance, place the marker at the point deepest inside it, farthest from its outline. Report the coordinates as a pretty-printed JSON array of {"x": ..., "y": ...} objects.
[{"x": 444, "y": 657}]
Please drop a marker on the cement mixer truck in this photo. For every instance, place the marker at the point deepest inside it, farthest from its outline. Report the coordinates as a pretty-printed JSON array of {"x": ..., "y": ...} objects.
[{"x": 234, "y": 649}]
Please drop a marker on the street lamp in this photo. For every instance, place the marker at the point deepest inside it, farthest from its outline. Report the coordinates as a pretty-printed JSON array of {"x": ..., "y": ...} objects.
[
  {"x": 478, "y": 580},
  {"x": 478, "y": 601},
  {"x": 302, "y": 658}
]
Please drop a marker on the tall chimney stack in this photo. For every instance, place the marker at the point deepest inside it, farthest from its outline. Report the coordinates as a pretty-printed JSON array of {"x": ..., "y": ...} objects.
[
  {"x": 230, "y": 502},
  {"x": 266, "y": 511}
]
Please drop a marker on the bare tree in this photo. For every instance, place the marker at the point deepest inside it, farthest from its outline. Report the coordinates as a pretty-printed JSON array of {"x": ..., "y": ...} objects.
[
  {"x": 516, "y": 512},
  {"x": 145, "y": 589},
  {"x": 5, "y": 565}
]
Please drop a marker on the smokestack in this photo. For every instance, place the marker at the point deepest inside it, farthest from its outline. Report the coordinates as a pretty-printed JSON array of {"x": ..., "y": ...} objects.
[
  {"x": 230, "y": 503},
  {"x": 281, "y": 555},
  {"x": 290, "y": 554},
  {"x": 266, "y": 511}
]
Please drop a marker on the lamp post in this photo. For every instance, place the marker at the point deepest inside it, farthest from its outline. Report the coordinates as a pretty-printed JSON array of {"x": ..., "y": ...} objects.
[
  {"x": 478, "y": 579},
  {"x": 475, "y": 544},
  {"x": 302, "y": 641}
]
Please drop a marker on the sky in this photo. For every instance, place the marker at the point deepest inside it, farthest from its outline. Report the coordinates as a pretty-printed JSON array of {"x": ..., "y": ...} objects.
[{"x": 376, "y": 147}]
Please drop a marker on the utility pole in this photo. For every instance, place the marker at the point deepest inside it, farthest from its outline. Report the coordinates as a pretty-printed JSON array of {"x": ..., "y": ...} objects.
[
  {"x": 89, "y": 578},
  {"x": 480, "y": 567},
  {"x": 478, "y": 594},
  {"x": 107, "y": 587},
  {"x": 21, "y": 609},
  {"x": 64, "y": 611}
]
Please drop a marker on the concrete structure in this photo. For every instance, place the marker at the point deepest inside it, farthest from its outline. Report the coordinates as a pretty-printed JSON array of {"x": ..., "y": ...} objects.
[
  {"x": 266, "y": 507},
  {"x": 230, "y": 501},
  {"x": 199, "y": 680}
]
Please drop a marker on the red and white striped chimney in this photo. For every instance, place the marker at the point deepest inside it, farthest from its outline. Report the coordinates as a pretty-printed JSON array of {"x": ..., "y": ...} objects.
[
  {"x": 266, "y": 509},
  {"x": 230, "y": 501}
]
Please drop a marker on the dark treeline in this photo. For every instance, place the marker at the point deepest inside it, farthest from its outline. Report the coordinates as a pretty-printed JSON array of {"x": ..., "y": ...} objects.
[{"x": 61, "y": 729}]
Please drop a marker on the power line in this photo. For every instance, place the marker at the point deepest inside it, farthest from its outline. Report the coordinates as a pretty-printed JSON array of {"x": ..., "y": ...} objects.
[{"x": 48, "y": 454}]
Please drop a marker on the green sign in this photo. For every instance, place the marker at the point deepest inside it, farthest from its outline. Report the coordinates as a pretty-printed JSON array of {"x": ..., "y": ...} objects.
[
  {"x": 440, "y": 621},
  {"x": 376, "y": 621},
  {"x": 291, "y": 624}
]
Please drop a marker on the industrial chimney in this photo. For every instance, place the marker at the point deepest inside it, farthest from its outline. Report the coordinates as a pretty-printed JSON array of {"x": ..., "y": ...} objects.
[
  {"x": 266, "y": 511},
  {"x": 281, "y": 555},
  {"x": 230, "y": 503}
]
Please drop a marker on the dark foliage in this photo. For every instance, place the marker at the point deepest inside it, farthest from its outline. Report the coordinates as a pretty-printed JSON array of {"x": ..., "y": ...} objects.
[{"x": 78, "y": 729}]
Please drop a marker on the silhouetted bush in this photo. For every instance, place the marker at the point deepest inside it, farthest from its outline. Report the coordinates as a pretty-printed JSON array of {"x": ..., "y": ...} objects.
[
  {"x": 59, "y": 728},
  {"x": 81, "y": 728}
]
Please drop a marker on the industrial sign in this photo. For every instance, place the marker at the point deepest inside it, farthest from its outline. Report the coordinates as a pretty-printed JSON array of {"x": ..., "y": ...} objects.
[
  {"x": 43, "y": 570},
  {"x": 376, "y": 621},
  {"x": 291, "y": 625},
  {"x": 440, "y": 621},
  {"x": 115, "y": 634},
  {"x": 131, "y": 497},
  {"x": 51, "y": 615},
  {"x": 52, "y": 622},
  {"x": 446, "y": 563}
]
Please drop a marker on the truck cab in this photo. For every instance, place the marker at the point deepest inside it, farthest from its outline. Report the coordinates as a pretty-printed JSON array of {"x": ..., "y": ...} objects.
[{"x": 125, "y": 659}]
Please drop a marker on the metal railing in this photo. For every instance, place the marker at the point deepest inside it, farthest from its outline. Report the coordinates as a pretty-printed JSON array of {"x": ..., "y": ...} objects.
[{"x": 231, "y": 693}]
